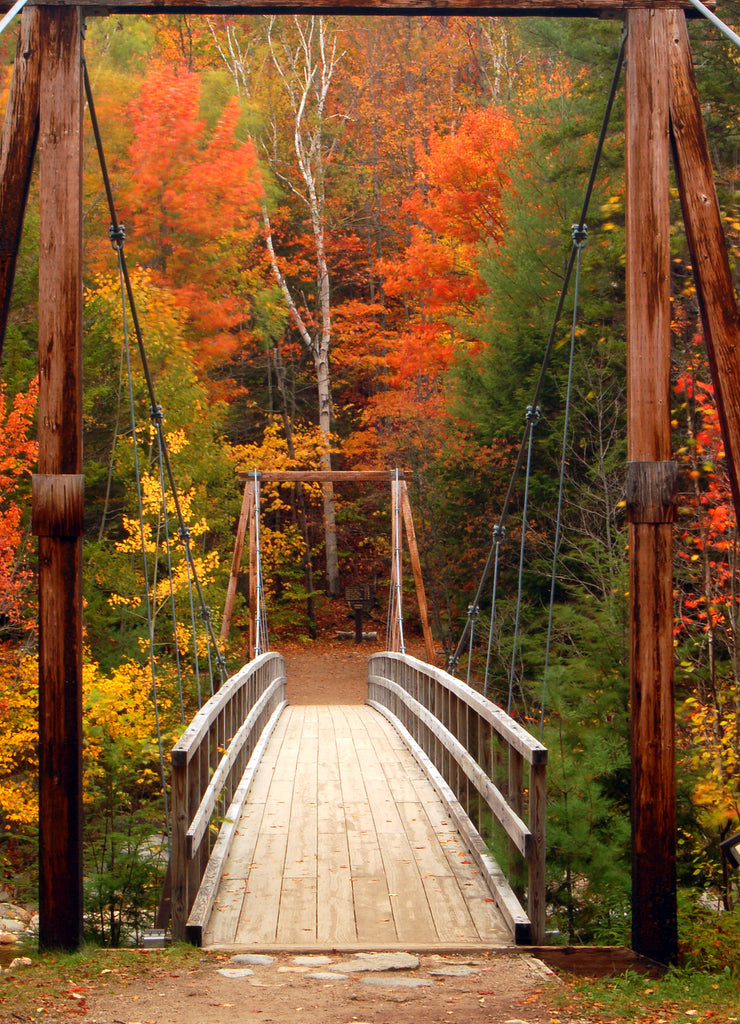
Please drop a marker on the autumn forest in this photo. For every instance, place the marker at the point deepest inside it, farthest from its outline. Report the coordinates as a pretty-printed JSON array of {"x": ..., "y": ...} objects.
[{"x": 346, "y": 240}]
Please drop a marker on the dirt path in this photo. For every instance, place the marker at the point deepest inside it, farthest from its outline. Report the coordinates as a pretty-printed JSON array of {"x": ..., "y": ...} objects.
[
  {"x": 479, "y": 989},
  {"x": 331, "y": 672}
]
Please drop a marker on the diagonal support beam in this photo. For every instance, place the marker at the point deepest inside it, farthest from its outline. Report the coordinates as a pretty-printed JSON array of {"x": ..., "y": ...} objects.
[
  {"x": 245, "y": 518},
  {"x": 717, "y": 299},
  {"x": 17, "y": 151}
]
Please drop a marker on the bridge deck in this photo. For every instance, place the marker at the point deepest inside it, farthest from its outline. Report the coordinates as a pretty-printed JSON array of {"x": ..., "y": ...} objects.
[{"x": 343, "y": 843}]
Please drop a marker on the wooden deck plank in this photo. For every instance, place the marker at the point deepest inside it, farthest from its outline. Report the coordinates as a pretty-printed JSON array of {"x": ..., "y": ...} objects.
[
  {"x": 408, "y": 898},
  {"x": 297, "y": 914},
  {"x": 335, "y": 919},
  {"x": 423, "y": 840},
  {"x": 373, "y": 911},
  {"x": 330, "y": 856},
  {"x": 365, "y": 857},
  {"x": 261, "y": 905},
  {"x": 451, "y": 916}
]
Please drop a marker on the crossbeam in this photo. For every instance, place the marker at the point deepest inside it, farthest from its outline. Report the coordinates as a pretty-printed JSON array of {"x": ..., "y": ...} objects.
[
  {"x": 320, "y": 476},
  {"x": 496, "y": 8}
]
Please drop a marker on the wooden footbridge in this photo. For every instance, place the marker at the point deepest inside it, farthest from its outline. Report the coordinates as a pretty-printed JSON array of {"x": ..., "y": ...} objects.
[
  {"x": 356, "y": 826},
  {"x": 663, "y": 115}
]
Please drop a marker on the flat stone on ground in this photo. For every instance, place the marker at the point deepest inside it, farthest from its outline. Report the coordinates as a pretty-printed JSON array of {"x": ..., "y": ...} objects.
[
  {"x": 397, "y": 982},
  {"x": 312, "y": 960},
  {"x": 235, "y": 972},
  {"x": 327, "y": 976},
  {"x": 453, "y": 971},
  {"x": 252, "y": 959},
  {"x": 379, "y": 962}
]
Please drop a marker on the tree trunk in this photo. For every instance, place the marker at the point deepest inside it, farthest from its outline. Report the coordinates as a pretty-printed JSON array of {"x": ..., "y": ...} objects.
[{"x": 330, "y": 520}]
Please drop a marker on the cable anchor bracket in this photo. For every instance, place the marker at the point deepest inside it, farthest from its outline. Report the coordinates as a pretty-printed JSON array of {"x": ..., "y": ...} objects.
[
  {"x": 579, "y": 234},
  {"x": 117, "y": 235}
]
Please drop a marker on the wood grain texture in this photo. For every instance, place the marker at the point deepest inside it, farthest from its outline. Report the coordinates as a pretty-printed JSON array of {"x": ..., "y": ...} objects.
[
  {"x": 654, "y": 915},
  {"x": 421, "y": 597},
  {"x": 647, "y": 158},
  {"x": 245, "y": 516},
  {"x": 17, "y": 151},
  {"x": 57, "y": 504},
  {"x": 60, "y": 453},
  {"x": 650, "y": 491},
  {"x": 509, "y": 8},
  {"x": 718, "y": 301},
  {"x": 331, "y": 860}
]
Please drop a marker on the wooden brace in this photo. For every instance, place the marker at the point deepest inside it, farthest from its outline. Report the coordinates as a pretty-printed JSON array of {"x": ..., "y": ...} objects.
[
  {"x": 650, "y": 491},
  {"x": 57, "y": 504}
]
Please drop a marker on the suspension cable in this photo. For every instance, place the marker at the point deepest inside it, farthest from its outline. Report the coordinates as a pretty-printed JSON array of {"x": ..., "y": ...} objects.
[
  {"x": 498, "y": 536},
  {"x": 579, "y": 237},
  {"x": 394, "y": 624},
  {"x": 118, "y": 236},
  {"x": 173, "y": 607},
  {"x": 15, "y": 9},
  {"x": 717, "y": 22},
  {"x": 493, "y": 551},
  {"x": 261, "y": 639},
  {"x": 147, "y": 591},
  {"x": 533, "y": 418}
]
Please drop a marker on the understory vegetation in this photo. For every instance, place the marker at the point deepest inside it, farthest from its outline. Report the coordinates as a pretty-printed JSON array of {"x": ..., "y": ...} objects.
[{"x": 346, "y": 239}]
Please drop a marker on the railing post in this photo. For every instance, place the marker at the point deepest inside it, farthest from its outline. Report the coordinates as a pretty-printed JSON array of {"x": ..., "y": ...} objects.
[
  {"x": 178, "y": 853},
  {"x": 516, "y": 802},
  {"x": 200, "y": 861},
  {"x": 537, "y": 815}
]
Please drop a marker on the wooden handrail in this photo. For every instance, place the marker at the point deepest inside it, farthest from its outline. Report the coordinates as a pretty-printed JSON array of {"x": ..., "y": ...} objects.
[
  {"x": 459, "y": 737},
  {"x": 209, "y": 762}
]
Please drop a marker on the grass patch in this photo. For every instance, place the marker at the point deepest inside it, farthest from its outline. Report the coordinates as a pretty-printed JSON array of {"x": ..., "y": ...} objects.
[
  {"x": 682, "y": 996},
  {"x": 55, "y": 982}
]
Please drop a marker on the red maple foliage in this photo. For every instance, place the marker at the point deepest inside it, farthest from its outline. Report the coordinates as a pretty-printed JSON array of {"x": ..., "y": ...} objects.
[{"x": 18, "y": 453}]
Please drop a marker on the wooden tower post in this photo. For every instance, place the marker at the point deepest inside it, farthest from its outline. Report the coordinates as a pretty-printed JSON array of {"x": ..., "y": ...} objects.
[
  {"x": 650, "y": 487},
  {"x": 58, "y": 487},
  {"x": 17, "y": 152}
]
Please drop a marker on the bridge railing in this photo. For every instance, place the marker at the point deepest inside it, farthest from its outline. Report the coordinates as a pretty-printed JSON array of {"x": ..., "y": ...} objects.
[
  {"x": 212, "y": 765},
  {"x": 475, "y": 754}
]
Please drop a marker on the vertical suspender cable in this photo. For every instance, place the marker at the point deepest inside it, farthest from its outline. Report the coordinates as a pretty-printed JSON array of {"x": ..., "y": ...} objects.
[
  {"x": 498, "y": 536},
  {"x": 261, "y": 642},
  {"x": 118, "y": 236},
  {"x": 397, "y": 563},
  {"x": 579, "y": 240},
  {"x": 473, "y": 615},
  {"x": 148, "y": 596},
  {"x": 533, "y": 416},
  {"x": 168, "y": 546},
  {"x": 455, "y": 657},
  {"x": 184, "y": 535}
]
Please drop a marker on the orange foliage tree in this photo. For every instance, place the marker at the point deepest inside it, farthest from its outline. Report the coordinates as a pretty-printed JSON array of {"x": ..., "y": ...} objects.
[
  {"x": 455, "y": 214},
  {"x": 708, "y": 613},
  {"x": 17, "y": 457},
  {"x": 191, "y": 208}
]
